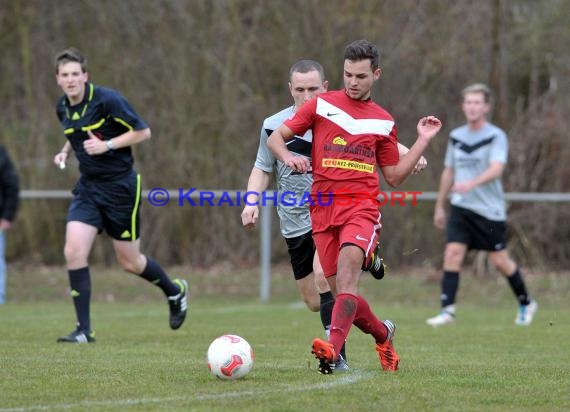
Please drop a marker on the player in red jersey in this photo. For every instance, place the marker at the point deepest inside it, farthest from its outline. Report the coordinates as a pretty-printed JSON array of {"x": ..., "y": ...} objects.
[{"x": 352, "y": 136}]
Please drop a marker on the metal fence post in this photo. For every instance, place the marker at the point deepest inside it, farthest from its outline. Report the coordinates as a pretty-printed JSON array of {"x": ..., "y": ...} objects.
[{"x": 265, "y": 253}]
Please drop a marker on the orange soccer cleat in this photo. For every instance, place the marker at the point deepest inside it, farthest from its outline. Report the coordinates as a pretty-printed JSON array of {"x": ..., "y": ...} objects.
[
  {"x": 324, "y": 352},
  {"x": 389, "y": 359}
]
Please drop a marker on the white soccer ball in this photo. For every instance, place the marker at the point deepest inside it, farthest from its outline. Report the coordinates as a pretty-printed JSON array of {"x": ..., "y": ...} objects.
[{"x": 230, "y": 357}]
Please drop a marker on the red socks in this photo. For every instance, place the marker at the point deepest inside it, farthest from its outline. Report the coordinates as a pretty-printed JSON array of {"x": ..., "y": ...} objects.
[
  {"x": 350, "y": 309},
  {"x": 344, "y": 310},
  {"x": 368, "y": 323}
]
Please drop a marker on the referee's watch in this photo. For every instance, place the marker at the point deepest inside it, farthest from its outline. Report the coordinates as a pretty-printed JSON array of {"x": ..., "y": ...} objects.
[{"x": 110, "y": 145}]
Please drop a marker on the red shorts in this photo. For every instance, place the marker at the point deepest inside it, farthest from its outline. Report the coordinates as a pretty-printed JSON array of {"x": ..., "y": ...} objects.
[{"x": 335, "y": 226}]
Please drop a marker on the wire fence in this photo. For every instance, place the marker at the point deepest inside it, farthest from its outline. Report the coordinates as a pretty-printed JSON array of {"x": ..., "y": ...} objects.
[{"x": 266, "y": 218}]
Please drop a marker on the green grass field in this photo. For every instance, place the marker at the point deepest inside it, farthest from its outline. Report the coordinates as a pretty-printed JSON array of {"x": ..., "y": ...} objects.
[{"x": 483, "y": 362}]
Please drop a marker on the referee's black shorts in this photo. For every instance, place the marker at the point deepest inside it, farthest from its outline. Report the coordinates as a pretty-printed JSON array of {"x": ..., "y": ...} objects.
[
  {"x": 475, "y": 231},
  {"x": 301, "y": 251},
  {"x": 113, "y": 206}
]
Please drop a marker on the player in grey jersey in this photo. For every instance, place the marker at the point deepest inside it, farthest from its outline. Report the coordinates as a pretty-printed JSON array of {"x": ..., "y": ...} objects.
[
  {"x": 306, "y": 80},
  {"x": 476, "y": 156}
]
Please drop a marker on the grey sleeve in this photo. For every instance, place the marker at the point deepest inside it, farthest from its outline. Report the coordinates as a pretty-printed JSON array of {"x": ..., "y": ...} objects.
[
  {"x": 500, "y": 148},
  {"x": 265, "y": 159},
  {"x": 448, "y": 162}
]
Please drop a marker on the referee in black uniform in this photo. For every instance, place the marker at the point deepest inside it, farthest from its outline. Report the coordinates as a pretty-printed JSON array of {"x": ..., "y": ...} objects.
[{"x": 101, "y": 126}]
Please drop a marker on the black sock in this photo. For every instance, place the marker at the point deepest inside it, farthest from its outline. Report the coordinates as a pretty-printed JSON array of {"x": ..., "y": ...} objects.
[
  {"x": 327, "y": 304},
  {"x": 516, "y": 283},
  {"x": 157, "y": 276},
  {"x": 80, "y": 284},
  {"x": 449, "y": 286}
]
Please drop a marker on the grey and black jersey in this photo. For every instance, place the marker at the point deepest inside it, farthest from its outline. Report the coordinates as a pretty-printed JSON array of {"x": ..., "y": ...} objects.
[
  {"x": 469, "y": 154},
  {"x": 294, "y": 219}
]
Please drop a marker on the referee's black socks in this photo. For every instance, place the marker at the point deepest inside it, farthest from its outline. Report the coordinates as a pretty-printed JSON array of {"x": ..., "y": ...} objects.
[
  {"x": 80, "y": 284},
  {"x": 154, "y": 273}
]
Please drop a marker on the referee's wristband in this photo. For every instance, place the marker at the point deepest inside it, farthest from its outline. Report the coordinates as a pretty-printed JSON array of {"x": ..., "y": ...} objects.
[{"x": 110, "y": 144}]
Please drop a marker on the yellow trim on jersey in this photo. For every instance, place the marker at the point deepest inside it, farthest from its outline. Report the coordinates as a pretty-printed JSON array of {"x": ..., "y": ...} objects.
[
  {"x": 84, "y": 109},
  {"x": 77, "y": 116},
  {"x": 348, "y": 164},
  {"x": 69, "y": 131},
  {"x": 135, "y": 210},
  {"x": 91, "y": 91},
  {"x": 93, "y": 126},
  {"x": 119, "y": 120}
]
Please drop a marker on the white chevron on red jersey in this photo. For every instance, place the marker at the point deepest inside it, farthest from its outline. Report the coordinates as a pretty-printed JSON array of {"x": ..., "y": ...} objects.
[{"x": 352, "y": 125}]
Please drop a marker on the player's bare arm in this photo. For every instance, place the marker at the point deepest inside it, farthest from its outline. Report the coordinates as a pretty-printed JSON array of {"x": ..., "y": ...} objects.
[
  {"x": 257, "y": 183},
  {"x": 60, "y": 158},
  {"x": 276, "y": 144},
  {"x": 445, "y": 183},
  {"x": 494, "y": 171},
  {"x": 420, "y": 165},
  {"x": 96, "y": 146},
  {"x": 427, "y": 129}
]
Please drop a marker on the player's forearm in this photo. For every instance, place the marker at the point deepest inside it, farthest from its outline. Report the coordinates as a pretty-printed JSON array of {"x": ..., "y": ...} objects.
[
  {"x": 130, "y": 138},
  {"x": 257, "y": 183},
  {"x": 445, "y": 184},
  {"x": 406, "y": 163},
  {"x": 494, "y": 171},
  {"x": 66, "y": 149},
  {"x": 276, "y": 143}
]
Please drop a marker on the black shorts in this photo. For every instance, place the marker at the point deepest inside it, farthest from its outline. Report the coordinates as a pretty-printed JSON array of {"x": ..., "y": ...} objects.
[
  {"x": 113, "y": 206},
  {"x": 475, "y": 231},
  {"x": 301, "y": 251}
]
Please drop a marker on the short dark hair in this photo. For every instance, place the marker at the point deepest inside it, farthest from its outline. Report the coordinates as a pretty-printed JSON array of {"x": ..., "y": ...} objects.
[
  {"x": 306, "y": 66},
  {"x": 362, "y": 50},
  {"x": 71, "y": 54}
]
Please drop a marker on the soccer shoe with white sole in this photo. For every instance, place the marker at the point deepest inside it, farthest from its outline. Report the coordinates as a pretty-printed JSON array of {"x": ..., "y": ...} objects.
[
  {"x": 389, "y": 359},
  {"x": 324, "y": 352},
  {"x": 178, "y": 305},
  {"x": 78, "y": 336},
  {"x": 526, "y": 313},
  {"x": 375, "y": 264},
  {"x": 442, "y": 318}
]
